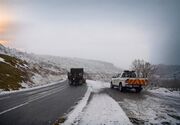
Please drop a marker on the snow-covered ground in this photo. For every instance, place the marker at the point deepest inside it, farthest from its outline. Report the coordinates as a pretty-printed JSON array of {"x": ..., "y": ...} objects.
[
  {"x": 39, "y": 80},
  {"x": 101, "y": 110},
  {"x": 151, "y": 111},
  {"x": 152, "y": 107},
  {"x": 97, "y": 108},
  {"x": 1, "y": 60},
  {"x": 97, "y": 86},
  {"x": 164, "y": 91}
]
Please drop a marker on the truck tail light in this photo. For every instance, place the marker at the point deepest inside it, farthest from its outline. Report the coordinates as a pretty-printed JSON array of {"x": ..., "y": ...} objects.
[{"x": 127, "y": 80}]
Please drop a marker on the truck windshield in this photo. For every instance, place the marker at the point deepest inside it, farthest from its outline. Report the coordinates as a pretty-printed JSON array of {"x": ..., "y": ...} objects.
[{"x": 129, "y": 74}]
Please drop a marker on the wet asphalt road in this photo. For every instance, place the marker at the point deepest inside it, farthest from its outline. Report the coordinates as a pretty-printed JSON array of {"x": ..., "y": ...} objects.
[{"x": 41, "y": 106}]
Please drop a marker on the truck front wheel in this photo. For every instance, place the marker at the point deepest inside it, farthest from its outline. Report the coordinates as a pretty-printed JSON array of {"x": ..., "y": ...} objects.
[
  {"x": 121, "y": 87},
  {"x": 112, "y": 86}
]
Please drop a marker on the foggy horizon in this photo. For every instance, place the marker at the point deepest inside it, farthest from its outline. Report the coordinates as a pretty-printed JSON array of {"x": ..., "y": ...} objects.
[{"x": 113, "y": 31}]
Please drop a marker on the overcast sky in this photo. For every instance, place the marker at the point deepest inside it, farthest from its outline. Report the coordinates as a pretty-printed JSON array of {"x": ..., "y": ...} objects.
[{"x": 116, "y": 31}]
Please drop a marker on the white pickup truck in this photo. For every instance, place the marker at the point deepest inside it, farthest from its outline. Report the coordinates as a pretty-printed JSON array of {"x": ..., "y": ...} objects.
[{"x": 128, "y": 79}]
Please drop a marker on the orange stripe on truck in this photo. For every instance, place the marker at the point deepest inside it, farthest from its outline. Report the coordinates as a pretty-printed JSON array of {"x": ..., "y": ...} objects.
[{"x": 137, "y": 81}]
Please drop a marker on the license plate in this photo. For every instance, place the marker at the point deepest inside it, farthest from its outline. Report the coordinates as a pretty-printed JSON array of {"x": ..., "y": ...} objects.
[{"x": 135, "y": 85}]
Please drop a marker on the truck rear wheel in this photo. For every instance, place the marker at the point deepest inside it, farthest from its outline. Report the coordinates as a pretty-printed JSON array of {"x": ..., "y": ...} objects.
[
  {"x": 70, "y": 82},
  {"x": 138, "y": 89}
]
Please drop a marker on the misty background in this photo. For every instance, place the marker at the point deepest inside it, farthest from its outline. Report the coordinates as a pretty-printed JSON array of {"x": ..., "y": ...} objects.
[{"x": 116, "y": 31}]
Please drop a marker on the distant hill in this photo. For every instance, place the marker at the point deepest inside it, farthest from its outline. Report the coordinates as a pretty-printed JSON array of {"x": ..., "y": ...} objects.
[
  {"x": 90, "y": 66},
  {"x": 168, "y": 76},
  {"x": 96, "y": 70},
  {"x": 168, "y": 71}
]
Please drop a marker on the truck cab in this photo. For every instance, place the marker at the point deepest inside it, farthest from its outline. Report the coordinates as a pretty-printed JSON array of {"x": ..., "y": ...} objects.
[{"x": 128, "y": 80}]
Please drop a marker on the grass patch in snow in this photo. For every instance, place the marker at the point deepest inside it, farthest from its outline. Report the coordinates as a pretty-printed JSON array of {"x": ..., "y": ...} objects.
[
  {"x": 11, "y": 73},
  {"x": 60, "y": 120}
]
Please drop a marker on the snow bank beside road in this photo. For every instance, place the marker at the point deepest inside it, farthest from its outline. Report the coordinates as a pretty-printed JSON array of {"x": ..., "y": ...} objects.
[
  {"x": 2, "y": 60},
  {"x": 74, "y": 116},
  {"x": 150, "y": 109},
  {"x": 102, "y": 109},
  {"x": 33, "y": 88},
  {"x": 166, "y": 92},
  {"x": 39, "y": 80},
  {"x": 96, "y": 86}
]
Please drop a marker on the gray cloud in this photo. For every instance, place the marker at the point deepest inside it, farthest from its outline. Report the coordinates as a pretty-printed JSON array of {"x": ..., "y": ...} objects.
[{"x": 117, "y": 31}]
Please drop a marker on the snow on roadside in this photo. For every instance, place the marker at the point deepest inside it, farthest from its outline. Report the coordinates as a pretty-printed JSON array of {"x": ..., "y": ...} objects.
[
  {"x": 40, "y": 80},
  {"x": 96, "y": 86},
  {"x": 151, "y": 110},
  {"x": 165, "y": 92},
  {"x": 2, "y": 60},
  {"x": 33, "y": 88},
  {"x": 74, "y": 116},
  {"x": 102, "y": 109}
]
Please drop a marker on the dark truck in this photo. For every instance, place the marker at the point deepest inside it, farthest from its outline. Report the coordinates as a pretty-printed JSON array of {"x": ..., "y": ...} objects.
[{"x": 76, "y": 76}]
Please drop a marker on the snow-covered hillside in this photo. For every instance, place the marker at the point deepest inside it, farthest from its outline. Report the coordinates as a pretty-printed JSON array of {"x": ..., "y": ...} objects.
[
  {"x": 167, "y": 76},
  {"x": 168, "y": 71},
  {"x": 20, "y": 70},
  {"x": 44, "y": 69},
  {"x": 16, "y": 74},
  {"x": 90, "y": 66},
  {"x": 97, "y": 70}
]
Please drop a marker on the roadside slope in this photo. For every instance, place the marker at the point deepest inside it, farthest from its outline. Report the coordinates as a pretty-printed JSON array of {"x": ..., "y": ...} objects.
[
  {"x": 13, "y": 71},
  {"x": 17, "y": 74}
]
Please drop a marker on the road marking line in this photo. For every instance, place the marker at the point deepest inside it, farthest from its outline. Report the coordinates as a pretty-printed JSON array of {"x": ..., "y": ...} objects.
[
  {"x": 18, "y": 106},
  {"x": 4, "y": 98},
  {"x": 36, "y": 98},
  {"x": 39, "y": 91},
  {"x": 13, "y": 108}
]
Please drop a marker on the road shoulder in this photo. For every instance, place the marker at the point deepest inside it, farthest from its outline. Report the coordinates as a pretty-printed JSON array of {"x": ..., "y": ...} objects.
[{"x": 99, "y": 109}]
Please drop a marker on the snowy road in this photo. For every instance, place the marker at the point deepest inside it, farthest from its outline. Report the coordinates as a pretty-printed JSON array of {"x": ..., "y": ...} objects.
[
  {"x": 100, "y": 105},
  {"x": 106, "y": 106},
  {"x": 97, "y": 108},
  {"x": 40, "y": 106}
]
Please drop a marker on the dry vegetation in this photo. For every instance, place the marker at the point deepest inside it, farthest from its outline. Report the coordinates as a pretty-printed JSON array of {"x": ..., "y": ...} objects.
[{"x": 12, "y": 73}]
